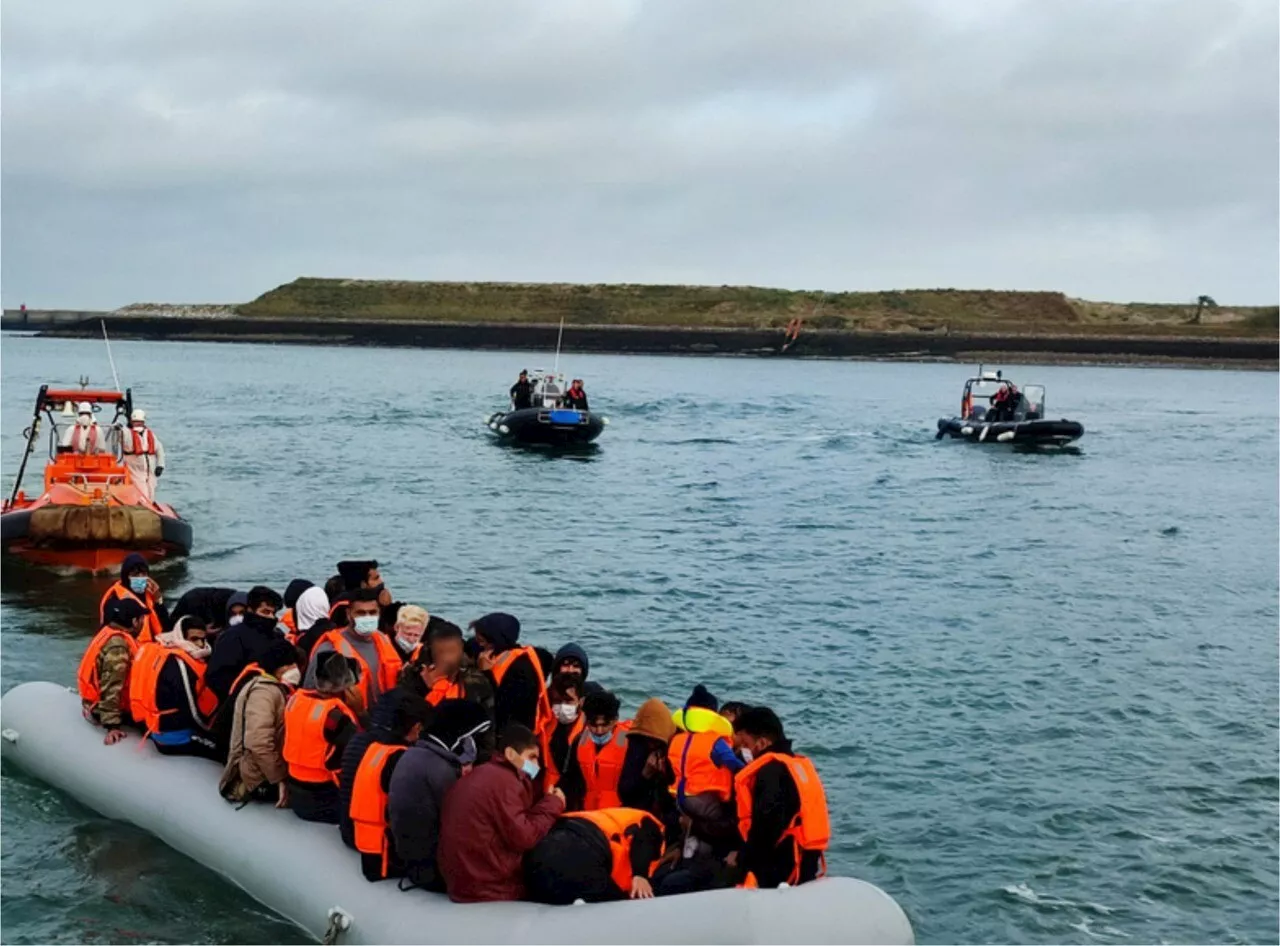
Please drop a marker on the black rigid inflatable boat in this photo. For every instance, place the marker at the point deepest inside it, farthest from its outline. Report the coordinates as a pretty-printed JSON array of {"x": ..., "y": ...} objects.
[
  {"x": 546, "y": 423},
  {"x": 1009, "y": 415}
]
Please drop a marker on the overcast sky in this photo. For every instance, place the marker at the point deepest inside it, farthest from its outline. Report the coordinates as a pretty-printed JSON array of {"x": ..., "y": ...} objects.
[{"x": 208, "y": 151}]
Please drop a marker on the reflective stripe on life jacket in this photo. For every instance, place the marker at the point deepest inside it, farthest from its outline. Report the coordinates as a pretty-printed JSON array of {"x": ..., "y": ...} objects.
[
  {"x": 144, "y": 678},
  {"x": 615, "y": 822},
  {"x": 141, "y": 442},
  {"x": 87, "y": 675},
  {"x": 811, "y": 827},
  {"x": 305, "y": 745},
  {"x": 602, "y": 767},
  {"x": 369, "y": 802},
  {"x": 695, "y": 772},
  {"x": 389, "y": 663},
  {"x": 152, "y": 628}
]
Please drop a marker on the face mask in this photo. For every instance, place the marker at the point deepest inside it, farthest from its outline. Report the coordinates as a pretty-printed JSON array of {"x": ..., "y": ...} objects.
[
  {"x": 530, "y": 768},
  {"x": 747, "y": 755},
  {"x": 600, "y": 739},
  {"x": 235, "y": 619},
  {"x": 138, "y": 584},
  {"x": 292, "y": 676},
  {"x": 565, "y": 712},
  {"x": 366, "y": 624},
  {"x": 83, "y": 420},
  {"x": 406, "y": 643}
]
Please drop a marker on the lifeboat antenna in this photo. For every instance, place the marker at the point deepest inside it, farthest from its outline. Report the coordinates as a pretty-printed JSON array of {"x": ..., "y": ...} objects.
[
  {"x": 555, "y": 369},
  {"x": 114, "y": 377}
]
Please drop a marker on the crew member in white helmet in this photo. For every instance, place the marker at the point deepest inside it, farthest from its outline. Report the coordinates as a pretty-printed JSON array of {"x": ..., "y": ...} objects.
[
  {"x": 85, "y": 436},
  {"x": 143, "y": 453}
]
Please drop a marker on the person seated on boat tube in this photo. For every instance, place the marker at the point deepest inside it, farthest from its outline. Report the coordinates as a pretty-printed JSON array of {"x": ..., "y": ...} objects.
[
  {"x": 441, "y": 671},
  {"x": 318, "y": 723},
  {"x": 514, "y": 671},
  {"x": 784, "y": 826},
  {"x": 492, "y": 818},
  {"x": 362, "y": 642},
  {"x": 136, "y": 584},
  {"x": 594, "y": 766},
  {"x": 522, "y": 393},
  {"x": 255, "y": 769},
  {"x": 368, "y": 763},
  {"x": 85, "y": 435},
  {"x": 445, "y": 752},
  {"x": 167, "y": 692},
  {"x": 595, "y": 856},
  {"x": 559, "y": 738},
  {"x": 575, "y": 398},
  {"x": 244, "y": 641},
  {"x": 103, "y": 674}
]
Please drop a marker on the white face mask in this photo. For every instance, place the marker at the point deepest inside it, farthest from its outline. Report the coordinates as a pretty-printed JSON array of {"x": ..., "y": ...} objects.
[
  {"x": 565, "y": 712},
  {"x": 292, "y": 676},
  {"x": 235, "y": 619},
  {"x": 365, "y": 624},
  {"x": 747, "y": 755},
  {"x": 407, "y": 643},
  {"x": 83, "y": 420}
]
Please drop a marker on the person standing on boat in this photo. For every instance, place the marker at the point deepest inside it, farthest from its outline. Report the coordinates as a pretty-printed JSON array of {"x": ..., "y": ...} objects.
[
  {"x": 143, "y": 454},
  {"x": 522, "y": 393},
  {"x": 84, "y": 436},
  {"x": 136, "y": 584},
  {"x": 576, "y": 398}
]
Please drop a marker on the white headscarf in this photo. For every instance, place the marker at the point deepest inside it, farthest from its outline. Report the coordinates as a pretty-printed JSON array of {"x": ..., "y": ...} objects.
[
  {"x": 312, "y": 605},
  {"x": 175, "y": 640}
]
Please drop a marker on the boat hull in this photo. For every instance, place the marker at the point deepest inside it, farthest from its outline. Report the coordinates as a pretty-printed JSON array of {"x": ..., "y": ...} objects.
[
  {"x": 96, "y": 537},
  {"x": 546, "y": 427},
  {"x": 1041, "y": 433},
  {"x": 176, "y": 799}
]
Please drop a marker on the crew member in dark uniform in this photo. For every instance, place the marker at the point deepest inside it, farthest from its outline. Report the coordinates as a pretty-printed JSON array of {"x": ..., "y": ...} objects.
[{"x": 522, "y": 393}]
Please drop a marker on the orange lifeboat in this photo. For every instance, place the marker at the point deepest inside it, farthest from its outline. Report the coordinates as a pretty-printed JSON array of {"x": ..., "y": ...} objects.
[{"x": 91, "y": 513}]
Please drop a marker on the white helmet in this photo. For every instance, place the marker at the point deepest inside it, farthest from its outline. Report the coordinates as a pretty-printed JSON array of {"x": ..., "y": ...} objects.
[
  {"x": 84, "y": 407},
  {"x": 138, "y": 416}
]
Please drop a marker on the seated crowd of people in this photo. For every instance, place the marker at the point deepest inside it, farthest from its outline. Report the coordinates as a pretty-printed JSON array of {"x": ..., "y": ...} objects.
[{"x": 473, "y": 765}]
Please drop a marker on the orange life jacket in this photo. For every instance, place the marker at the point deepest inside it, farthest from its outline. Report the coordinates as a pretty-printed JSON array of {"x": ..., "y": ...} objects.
[
  {"x": 389, "y": 663},
  {"x": 88, "y": 437},
  {"x": 810, "y": 828},
  {"x": 152, "y": 628},
  {"x": 544, "y": 720},
  {"x": 690, "y": 757},
  {"x": 305, "y": 746},
  {"x": 615, "y": 822},
  {"x": 291, "y": 625},
  {"x": 549, "y": 764},
  {"x": 446, "y": 689},
  {"x": 369, "y": 802},
  {"x": 144, "y": 676},
  {"x": 87, "y": 675},
  {"x": 141, "y": 442},
  {"x": 602, "y": 767}
]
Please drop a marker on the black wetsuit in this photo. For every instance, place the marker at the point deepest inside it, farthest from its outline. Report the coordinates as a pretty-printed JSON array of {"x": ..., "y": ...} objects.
[{"x": 522, "y": 394}]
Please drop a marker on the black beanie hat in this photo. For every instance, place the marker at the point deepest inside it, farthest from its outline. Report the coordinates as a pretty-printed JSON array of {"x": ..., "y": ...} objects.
[{"x": 703, "y": 697}]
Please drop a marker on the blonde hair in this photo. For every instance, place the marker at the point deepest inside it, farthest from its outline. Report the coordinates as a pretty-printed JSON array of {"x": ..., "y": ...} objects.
[{"x": 412, "y": 614}]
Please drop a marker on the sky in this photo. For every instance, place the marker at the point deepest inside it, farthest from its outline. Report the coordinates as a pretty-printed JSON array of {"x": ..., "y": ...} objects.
[{"x": 205, "y": 152}]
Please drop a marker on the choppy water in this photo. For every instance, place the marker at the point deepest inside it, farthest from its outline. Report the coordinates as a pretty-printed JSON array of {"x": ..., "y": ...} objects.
[{"x": 1042, "y": 690}]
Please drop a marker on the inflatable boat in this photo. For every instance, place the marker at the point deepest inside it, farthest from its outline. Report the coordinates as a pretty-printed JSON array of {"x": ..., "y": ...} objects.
[
  {"x": 319, "y": 886},
  {"x": 1009, "y": 416},
  {"x": 546, "y": 423},
  {"x": 90, "y": 514}
]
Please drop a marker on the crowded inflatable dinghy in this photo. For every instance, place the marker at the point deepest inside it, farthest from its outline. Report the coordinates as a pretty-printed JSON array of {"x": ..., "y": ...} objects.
[
  {"x": 176, "y": 799},
  {"x": 545, "y": 411},
  {"x": 994, "y": 410}
]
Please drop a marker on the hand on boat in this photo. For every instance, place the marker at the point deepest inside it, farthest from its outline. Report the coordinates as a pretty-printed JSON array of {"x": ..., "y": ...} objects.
[
  {"x": 113, "y": 736},
  {"x": 283, "y": 800},
  {"x": 641, "y": 889}
]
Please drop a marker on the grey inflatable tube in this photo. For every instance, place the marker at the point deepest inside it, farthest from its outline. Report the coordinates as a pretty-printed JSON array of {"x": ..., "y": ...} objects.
[{"x": 45, "y": 735}]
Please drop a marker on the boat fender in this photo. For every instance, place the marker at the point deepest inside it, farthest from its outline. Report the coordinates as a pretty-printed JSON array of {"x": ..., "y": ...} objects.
[
  {"x": 967, "y": 431},
  {"x": 1006, "y": 436},
  {"x": 605, "y": 421},
  {"x": 504, "y": 429}
]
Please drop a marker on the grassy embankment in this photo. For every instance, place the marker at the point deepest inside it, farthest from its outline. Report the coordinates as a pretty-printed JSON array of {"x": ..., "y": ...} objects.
[{"x": 922, "y": 310}]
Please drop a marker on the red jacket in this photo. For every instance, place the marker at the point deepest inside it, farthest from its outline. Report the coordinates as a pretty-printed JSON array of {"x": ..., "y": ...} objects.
[{"x": 489, "y": 820}]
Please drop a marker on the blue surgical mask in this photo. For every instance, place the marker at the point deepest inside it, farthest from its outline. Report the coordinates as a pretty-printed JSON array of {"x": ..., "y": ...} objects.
[
  {"x": 366, "y": 624},
  {"x": 138, "y": 584},
  {"x": 600, "y": 739},
  {"x": 530, "y": 768}
]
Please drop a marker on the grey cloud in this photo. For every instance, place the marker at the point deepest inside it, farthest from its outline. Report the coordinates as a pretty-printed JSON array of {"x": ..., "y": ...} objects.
[{"x": 206, "y": 151}]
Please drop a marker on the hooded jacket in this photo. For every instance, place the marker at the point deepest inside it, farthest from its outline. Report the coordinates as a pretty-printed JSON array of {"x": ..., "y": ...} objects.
[
  {"x": 121, "y": 590},
  {"x": 516, "y": 700},
  {"x": 575, "y": 651},
  {"x": 257, "y": 739},
  {"x": 208, "y": 604},
  {"x": 236, "y": 648},
  {"x": 489, "y": 821}
]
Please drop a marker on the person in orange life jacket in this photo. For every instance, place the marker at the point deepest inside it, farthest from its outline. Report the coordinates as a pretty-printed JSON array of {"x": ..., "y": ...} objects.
[
  {"x": 594, "y": 768},
  {"x": 136, "y": 583},
  {"x": 311, "y": 615},
  {"x": 595, "y": 856},
  {"x": 518, "y": 689},
  {"x": 255, "y": 769},
  {"x": 442, "y": 671},
  {"x": 373, "y": 651},
  {"x": 288, "y": 618},
  {"x": 103, "y": 675},
  {"x": 318, "y": 724},
  {"x": 492, "y": 818},
  {"x": 444, "y": 753},
  {"x": 85, "y": 436},
  {"x": 769, "y": 803},
  {"x": 143, "y": 453},
  {"x": 576, "y": 398},
  {"x": 560, "y": 738},
  {"x": 368, "y": 762},
  {"x": 168, "y": 685},
  {"x": 207, "y": 604},
  {"x": 243, "y": 641}
]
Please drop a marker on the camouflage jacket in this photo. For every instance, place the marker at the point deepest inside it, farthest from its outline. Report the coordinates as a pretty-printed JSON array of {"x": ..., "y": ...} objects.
[{"x": 113, "y": 674}]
